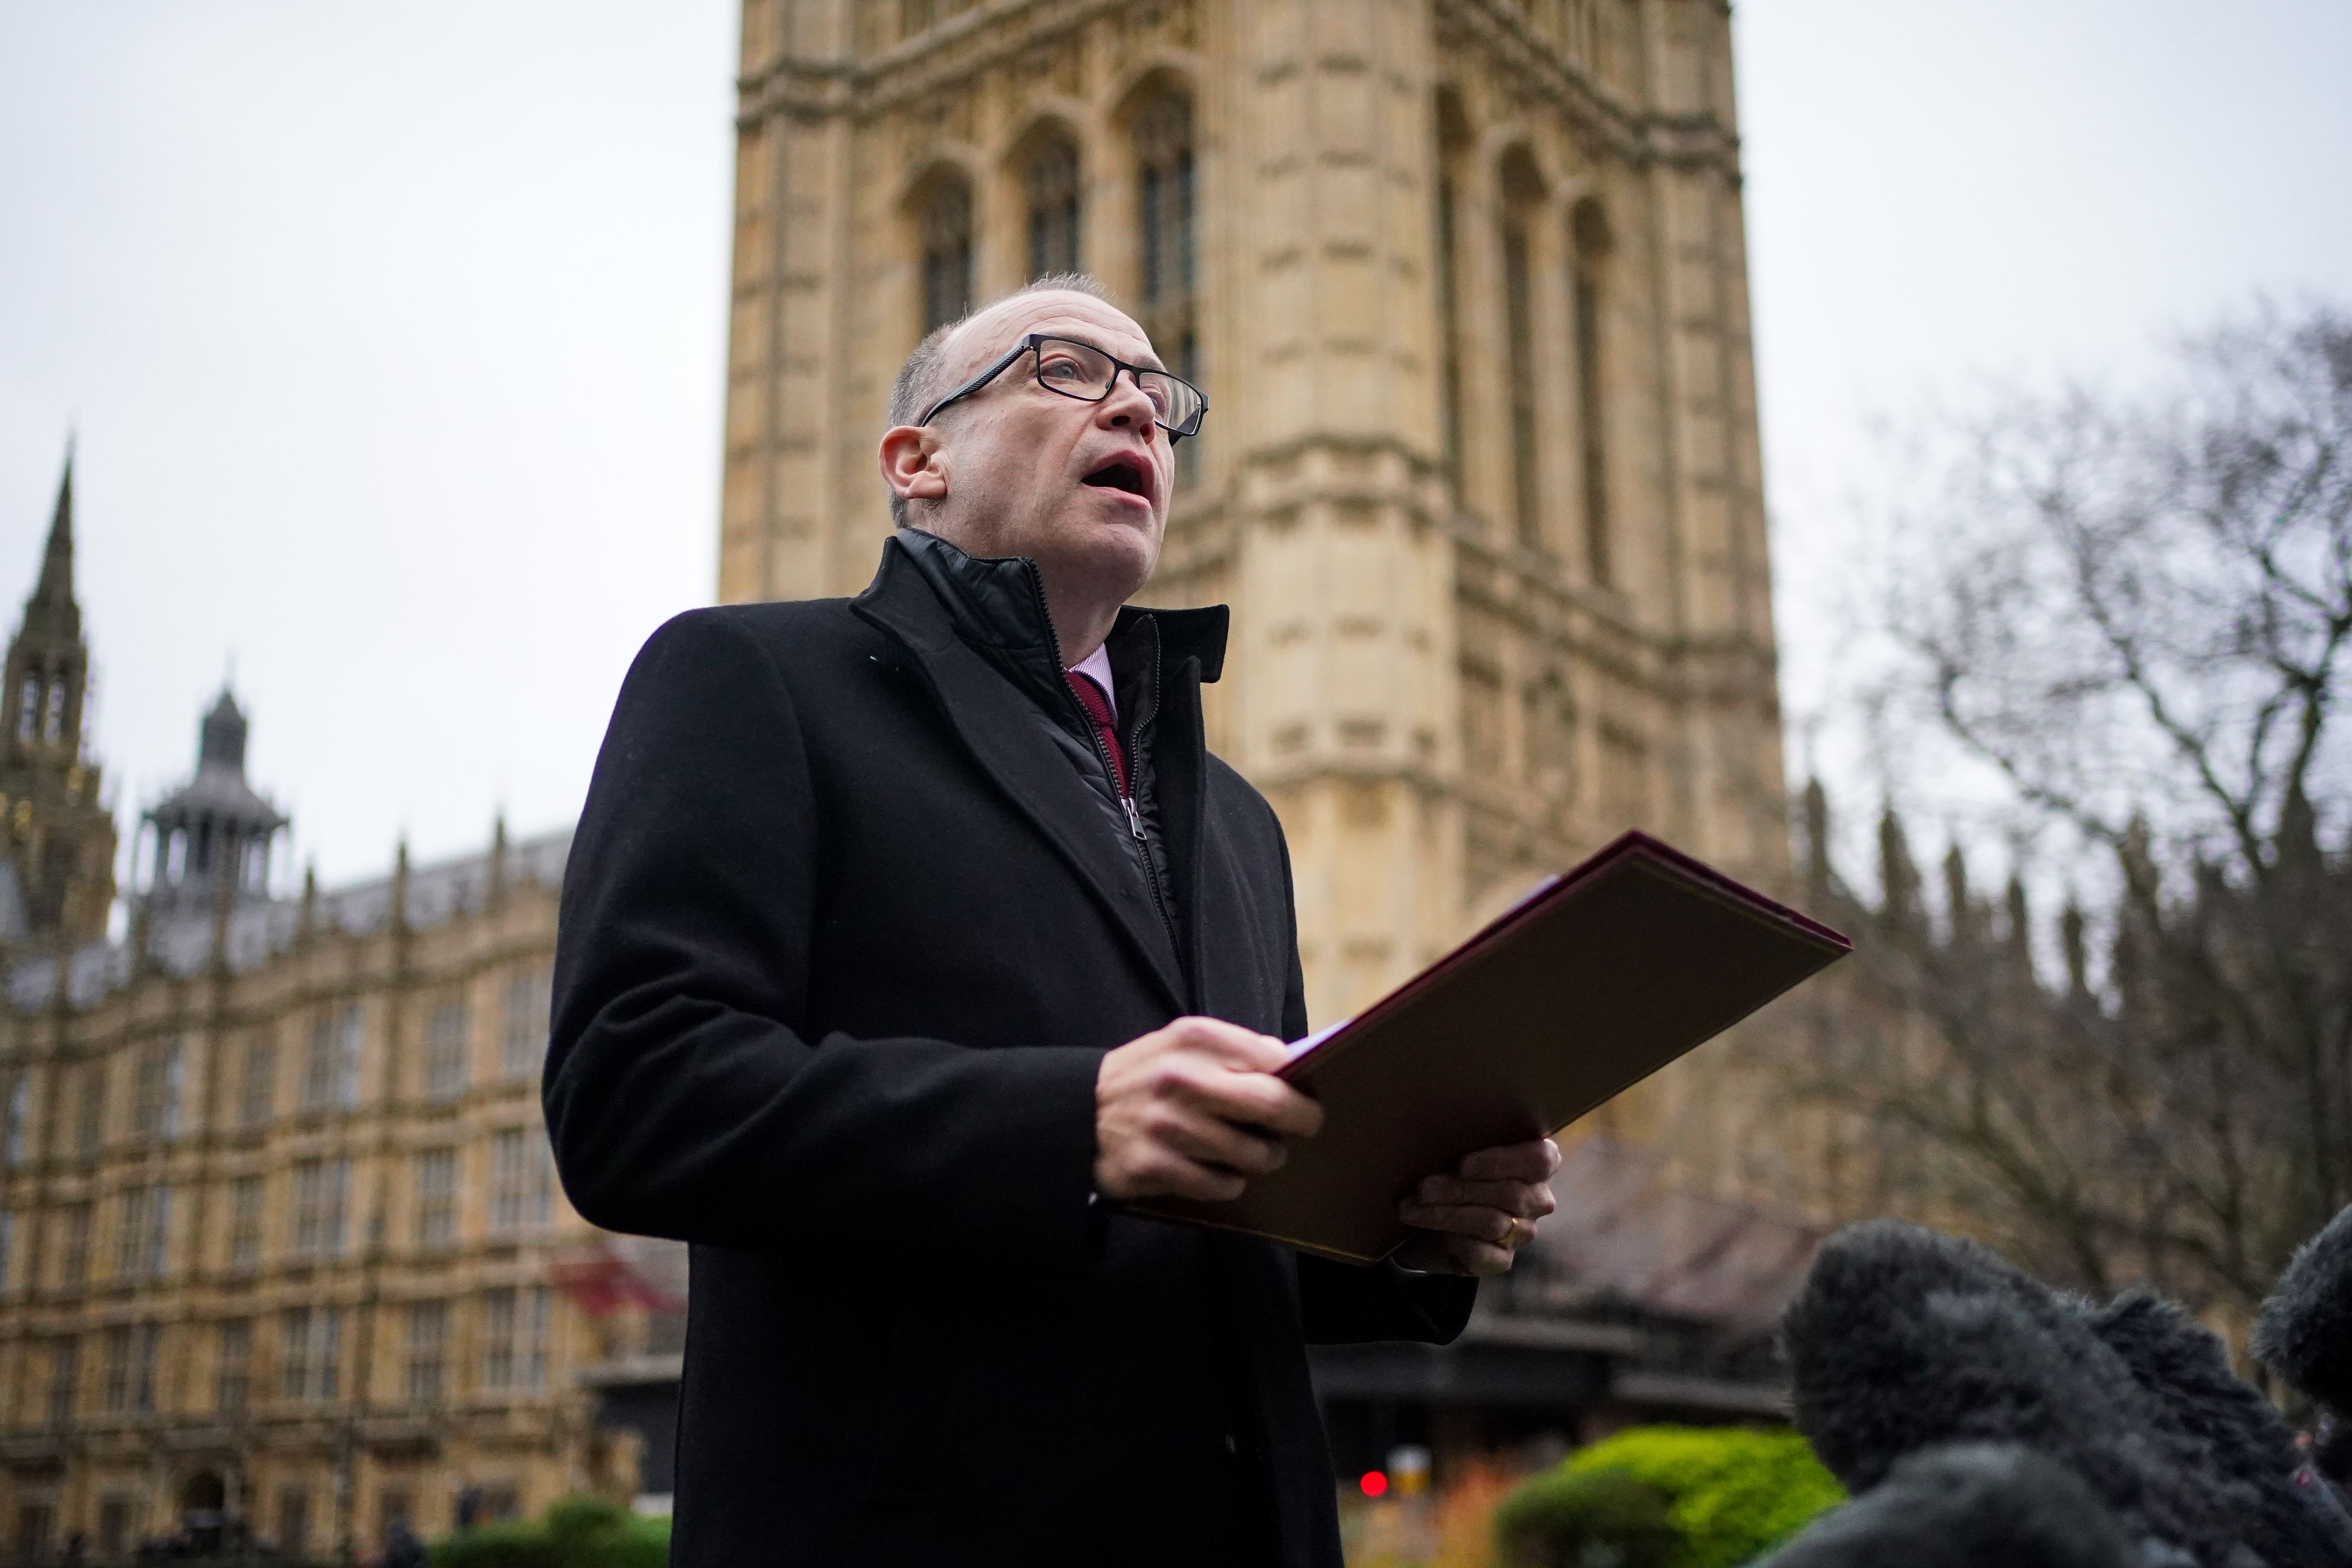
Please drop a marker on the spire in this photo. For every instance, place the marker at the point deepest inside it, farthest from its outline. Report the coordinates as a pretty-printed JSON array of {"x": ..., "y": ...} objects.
[
  {"x": 52, "y": 605},
  {"x": 63, "y": 857},
  {"x": 498, "y": 889},
  {"x": 221, "y": 742}
]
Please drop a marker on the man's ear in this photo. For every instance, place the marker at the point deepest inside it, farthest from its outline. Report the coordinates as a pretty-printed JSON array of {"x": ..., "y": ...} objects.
[{"x": 914, "y": 463}]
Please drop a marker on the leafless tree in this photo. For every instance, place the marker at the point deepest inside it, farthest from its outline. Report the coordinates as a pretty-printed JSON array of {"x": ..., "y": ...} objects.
[{"x": 2134, "y": 613}]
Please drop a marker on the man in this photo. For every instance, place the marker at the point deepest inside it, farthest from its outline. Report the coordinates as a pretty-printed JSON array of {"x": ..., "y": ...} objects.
[{"x": 905, "y": 937}]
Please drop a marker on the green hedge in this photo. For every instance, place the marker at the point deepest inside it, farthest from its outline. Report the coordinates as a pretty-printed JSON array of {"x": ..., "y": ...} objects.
[
  {"x": 1601, "y": 1517},
  {"x": 578, "y": 1532},
  {"x": 1727, "y": 1495}
]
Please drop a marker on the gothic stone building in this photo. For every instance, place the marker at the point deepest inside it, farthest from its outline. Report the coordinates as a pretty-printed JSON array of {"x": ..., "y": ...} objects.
[
  {"x": 278, "y": 1231},
  {"x": 1465, "y": 283},
  {"x": 57, "y": 839}
]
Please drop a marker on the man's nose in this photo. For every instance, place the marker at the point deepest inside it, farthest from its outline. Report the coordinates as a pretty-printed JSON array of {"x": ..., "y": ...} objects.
[{"x": 1125, "y": 404}]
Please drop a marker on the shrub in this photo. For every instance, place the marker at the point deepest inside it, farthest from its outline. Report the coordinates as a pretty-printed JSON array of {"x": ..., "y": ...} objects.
[
  {"x": 578, "y": 1532},
  {"x": 638, "y": 1543},
  {"x": 1730, "y": 1494},
  {"x": 509, "y": 1543},
  {"x": 1593, "y": 1518},
  {"x": 573, "y": 1520}
]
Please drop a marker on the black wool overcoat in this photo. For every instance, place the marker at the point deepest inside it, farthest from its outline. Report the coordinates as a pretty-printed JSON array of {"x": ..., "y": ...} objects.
[{"x": 851, "y": 917}]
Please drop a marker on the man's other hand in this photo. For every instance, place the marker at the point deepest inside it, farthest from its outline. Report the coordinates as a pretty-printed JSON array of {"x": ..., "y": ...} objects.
[
  {"x": 1193, "y": 1111},
  {"x": 1475, "y": 1220}
]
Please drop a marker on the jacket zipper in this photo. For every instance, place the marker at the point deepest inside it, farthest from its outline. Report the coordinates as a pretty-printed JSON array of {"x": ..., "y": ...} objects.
[{"x": 1102, "y": 755}]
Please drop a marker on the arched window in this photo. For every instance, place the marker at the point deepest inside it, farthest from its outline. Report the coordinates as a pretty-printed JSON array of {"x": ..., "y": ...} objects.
[
  {"x": 17, "y": 1131},
  {"x": 946, "y": 251},
  {"x": 28, "y": 707},
  {"x": 1050, "y": 182},
  {"x": 1453, "y": 142},
  {"x": 1521, "y": 192},
  {"x": 54, "y": 728},
  {"x": 157, "y": 1089},
  {"x": 1589, "y": 235},
  {"x": 1449, "y": 334},
  {"x": 1163, "y": 159}
]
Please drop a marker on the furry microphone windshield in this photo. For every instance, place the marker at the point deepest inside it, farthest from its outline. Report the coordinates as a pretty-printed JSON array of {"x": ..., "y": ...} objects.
[
  {"x": 2305, "y": 1332},
  {"x": 1904, "y": 1340},
  {"x": 1967, "y": 1505}
]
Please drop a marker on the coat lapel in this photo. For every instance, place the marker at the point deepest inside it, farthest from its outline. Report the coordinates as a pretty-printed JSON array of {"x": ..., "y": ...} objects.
[{"x": 993, "y": 721}]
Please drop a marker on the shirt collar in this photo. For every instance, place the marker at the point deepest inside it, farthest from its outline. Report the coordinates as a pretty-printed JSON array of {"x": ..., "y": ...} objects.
[{"x": 1095, "y": 667}]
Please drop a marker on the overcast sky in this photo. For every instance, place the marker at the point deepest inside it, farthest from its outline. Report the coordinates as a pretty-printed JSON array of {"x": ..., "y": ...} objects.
[{"x": 394, "y": 335}]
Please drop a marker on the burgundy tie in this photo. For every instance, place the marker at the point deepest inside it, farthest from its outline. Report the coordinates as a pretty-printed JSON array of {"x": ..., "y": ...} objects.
[{"x": 1098, "y": 706}]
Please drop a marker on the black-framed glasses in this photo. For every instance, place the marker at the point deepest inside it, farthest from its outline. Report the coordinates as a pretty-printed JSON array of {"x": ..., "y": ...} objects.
[{"x": 1081, "y": 370}]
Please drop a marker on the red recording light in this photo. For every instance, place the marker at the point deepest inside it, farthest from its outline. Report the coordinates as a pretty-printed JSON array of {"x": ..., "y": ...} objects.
[{"x": 1374, "y": 1483}]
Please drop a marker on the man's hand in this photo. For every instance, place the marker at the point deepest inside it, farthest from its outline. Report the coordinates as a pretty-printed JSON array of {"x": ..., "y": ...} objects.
[
  {"x": 1193, "y": 1111},
  {"x": 1472, "y": 1221}
]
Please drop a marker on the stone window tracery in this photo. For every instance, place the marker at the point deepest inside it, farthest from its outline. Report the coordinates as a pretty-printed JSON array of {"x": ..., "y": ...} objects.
[
  {"x": 233, "y": 1380},
  {"x": 73, "y": 1248},
  {"x": 309, "y": 1354},
  {"x": 1449, "y": 332},
  {"x": 521, "y": 1182},
  {"x": 158, "y": 1090},
  {"x": 143, "y": 1236},
  {"x": 1521, "y": 195},
  {"x": 65, "y": 1380},
  {"x": 445, "y": 1051},
  {"x": 90, "y": 1119},
  {"x": 436, "y": 1199},
  {"x": 523, "y": 1045},
  {"x": 256, "y": 1093},
  {"x": 946, "y": 251},
  {"x": 114, "y": 1373},
  {"x": 16, "y": 1137},
  {"x": 245, "y": 1225},
  {"x": 1165, "y": 211},
  {"x": 428, "y": 1347},
  {"x": 322, "y": 1206},
  {"x": 1589, "y": 233},
  {"x": 514, "y": 1337},
  {"x": 1050, "y": 182},
  {"x": 330, "y": 1074}
]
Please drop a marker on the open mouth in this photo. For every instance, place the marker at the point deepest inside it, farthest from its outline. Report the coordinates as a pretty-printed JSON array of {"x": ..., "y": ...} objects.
[{"x": 1121, "y": 474}]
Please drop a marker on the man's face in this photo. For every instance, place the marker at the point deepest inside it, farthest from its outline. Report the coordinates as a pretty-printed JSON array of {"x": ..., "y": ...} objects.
[{"x": 1080, "y": 488}]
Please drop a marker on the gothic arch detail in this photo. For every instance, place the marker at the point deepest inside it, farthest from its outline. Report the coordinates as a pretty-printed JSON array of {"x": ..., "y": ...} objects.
[
  {"x": 1167, "y": 210},
  {"x": 1052, "y": 201},
  {"x": 1590, "y": 245},
  {"x": 943, "y": 209},
  {"x": 1522, "y": 196}
]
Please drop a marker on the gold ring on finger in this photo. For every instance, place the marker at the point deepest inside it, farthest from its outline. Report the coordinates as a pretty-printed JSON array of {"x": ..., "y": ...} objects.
[{"x": 1511, "y": 1234}]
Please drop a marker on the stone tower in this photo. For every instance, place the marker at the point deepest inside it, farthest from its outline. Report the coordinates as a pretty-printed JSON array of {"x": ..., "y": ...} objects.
[
  {"x": 1465, "y": 283},
  {"x": 214, "y": 834},
  {"x": 59, "y": 839}
]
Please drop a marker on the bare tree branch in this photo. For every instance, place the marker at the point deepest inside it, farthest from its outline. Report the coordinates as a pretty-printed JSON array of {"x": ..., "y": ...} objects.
[{"x": 2138, "y": 612}]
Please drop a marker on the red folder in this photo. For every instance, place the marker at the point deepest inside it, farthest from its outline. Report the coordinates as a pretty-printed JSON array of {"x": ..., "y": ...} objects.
[{"x": 1589, "y": 984}]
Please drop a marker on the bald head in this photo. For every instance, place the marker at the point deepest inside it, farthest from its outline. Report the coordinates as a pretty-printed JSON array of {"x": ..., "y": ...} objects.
[{"x": 944, "y": 359}]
